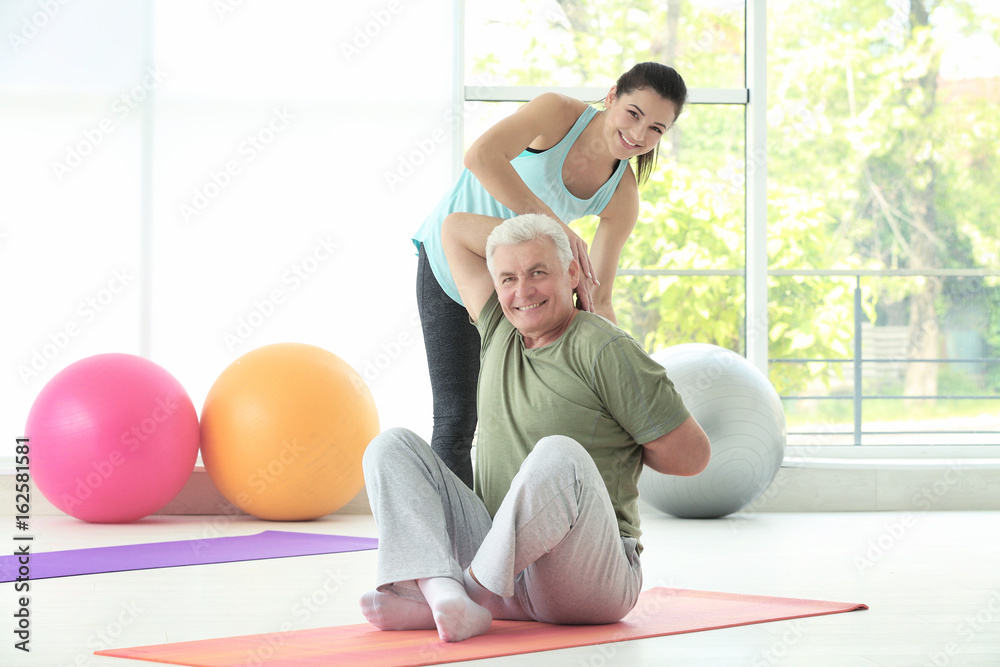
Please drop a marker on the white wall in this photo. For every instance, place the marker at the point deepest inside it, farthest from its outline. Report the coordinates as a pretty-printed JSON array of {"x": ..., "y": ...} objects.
[{"x": 277, "y": 123}]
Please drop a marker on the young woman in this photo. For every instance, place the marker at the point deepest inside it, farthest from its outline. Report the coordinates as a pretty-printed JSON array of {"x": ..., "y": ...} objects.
[{"x": 558, "y": 156}]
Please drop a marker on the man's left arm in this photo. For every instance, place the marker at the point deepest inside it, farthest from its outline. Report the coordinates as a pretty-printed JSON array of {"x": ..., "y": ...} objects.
[{"x": 685, "y": 451}]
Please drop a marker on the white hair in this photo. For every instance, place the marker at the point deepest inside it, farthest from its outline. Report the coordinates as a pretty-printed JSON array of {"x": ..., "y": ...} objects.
[{"x": 529, "y": 227}]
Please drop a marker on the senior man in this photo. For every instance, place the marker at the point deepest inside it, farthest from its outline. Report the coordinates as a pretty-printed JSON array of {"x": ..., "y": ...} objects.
[{"x": 570, "y": 408}]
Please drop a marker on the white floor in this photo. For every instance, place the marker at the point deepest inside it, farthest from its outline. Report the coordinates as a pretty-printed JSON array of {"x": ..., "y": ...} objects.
[{"x": 932, "y": 580}]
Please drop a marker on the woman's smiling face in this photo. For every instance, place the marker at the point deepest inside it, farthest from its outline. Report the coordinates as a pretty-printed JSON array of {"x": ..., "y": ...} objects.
[{"x": 635, "y": 122}]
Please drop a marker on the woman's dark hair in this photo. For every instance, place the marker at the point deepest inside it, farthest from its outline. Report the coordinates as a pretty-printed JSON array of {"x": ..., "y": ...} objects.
[{"x": 668, "y": 84}]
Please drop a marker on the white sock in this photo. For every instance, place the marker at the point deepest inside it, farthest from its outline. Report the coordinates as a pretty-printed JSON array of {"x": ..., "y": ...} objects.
[
  {"x": 456, "y": 616},
  {"x": 388, "y": 612},
  {"x": 477, "y": 592}
]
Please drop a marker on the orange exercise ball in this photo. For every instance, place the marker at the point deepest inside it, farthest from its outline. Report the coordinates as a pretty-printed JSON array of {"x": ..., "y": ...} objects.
[{"x": 283, "y": 430}]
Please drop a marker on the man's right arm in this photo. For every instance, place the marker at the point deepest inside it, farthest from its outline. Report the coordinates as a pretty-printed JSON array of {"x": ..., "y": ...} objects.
[
  {"x": 463, "y": 236},
  {"x": 643, "y": 400}
]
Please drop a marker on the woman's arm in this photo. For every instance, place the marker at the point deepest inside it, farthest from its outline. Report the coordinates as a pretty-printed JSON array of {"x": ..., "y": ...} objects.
[
  {"x": 541, "y": 123},
  {"x": 617, "y": 222}
]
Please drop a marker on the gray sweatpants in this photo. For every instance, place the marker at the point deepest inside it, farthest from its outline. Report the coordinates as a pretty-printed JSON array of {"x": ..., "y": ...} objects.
[{"x": 553, "y": 552}]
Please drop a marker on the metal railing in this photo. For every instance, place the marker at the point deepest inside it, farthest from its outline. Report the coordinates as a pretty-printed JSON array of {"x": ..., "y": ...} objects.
[{"x": 858, "y": 397}]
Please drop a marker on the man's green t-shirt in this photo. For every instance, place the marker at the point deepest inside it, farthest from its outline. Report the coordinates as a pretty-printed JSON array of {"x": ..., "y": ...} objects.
[{"x": 594, "y": 384}]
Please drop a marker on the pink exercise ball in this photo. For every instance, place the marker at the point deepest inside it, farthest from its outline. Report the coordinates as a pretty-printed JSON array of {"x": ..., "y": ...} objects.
[{"x": 113, "y": 438}]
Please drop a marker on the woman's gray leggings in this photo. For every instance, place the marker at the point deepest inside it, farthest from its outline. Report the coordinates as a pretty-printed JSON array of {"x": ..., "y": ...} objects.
[{"x": 452, "y": 345}]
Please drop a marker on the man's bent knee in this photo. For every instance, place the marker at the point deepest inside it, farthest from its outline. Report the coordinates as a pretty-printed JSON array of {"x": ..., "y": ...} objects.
[
  {"x": 389, "y": 443},
  {"x": 558, "y": 455},
  {"x": 559, "y": 449}
]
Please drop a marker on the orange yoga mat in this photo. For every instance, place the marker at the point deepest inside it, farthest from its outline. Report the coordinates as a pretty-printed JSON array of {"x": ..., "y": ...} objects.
[{"x": 660, "y": 611}]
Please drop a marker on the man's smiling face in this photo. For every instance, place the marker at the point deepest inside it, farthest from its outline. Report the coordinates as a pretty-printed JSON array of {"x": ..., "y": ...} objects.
[{"x": 535, "y": 293}]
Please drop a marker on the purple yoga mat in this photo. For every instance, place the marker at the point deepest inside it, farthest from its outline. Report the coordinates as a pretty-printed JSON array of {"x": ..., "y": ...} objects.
[{"x": 268, "y": 544}]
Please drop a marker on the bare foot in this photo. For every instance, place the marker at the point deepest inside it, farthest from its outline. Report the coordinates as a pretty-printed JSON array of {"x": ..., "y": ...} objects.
[
  {"x": 389, "y": 612},
  {"x": 459, "y": 618}
]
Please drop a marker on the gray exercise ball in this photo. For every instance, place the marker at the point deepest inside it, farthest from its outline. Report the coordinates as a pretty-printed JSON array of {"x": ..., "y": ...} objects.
[{"x": 742, "y": 415}]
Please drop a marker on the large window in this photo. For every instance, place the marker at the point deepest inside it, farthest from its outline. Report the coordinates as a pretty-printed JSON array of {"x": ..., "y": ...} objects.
[
  {"x": 883, "y": 189},
  {"x": 883, "y": 294}
]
